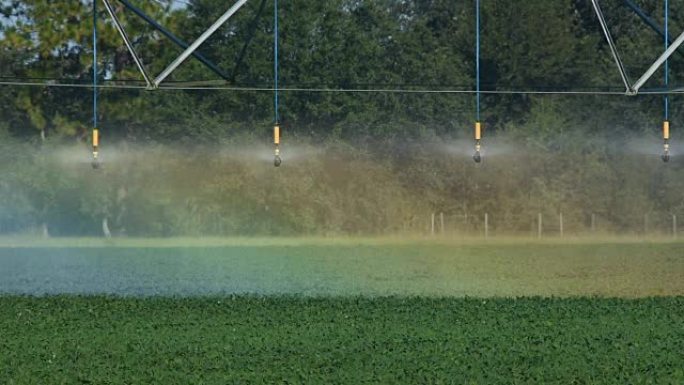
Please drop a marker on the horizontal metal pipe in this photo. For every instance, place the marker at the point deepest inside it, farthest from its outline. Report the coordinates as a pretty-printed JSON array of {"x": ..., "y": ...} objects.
[
  {"x": 127, "y": 41},
  {"x": 611, "y": 44}
]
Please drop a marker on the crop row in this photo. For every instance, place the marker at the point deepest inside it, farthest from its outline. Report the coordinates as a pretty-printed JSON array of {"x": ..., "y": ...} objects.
[{"x": 248, "y": 339}]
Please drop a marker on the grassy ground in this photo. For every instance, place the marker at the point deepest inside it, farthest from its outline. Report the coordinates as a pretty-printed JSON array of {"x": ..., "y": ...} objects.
[
  {"x": 345, "y": 267},
  {"x": 21, "y": 241},
  {"x": 341, "y": 340}
]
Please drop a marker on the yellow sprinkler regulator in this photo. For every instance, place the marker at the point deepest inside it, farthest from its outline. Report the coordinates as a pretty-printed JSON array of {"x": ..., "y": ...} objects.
[
  {"x": 276, "y": 141},
  {"x": 96, "y": 145},
  {"x": 477, "y": 157},
  {"x": 666, "y": 141}
]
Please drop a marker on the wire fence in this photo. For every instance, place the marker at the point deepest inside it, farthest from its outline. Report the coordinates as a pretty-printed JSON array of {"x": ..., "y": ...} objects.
[{"x": 544, "y": 225}]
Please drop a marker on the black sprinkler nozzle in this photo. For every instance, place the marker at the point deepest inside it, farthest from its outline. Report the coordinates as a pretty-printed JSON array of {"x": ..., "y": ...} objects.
[
  {"x": 96, "y": 161},
  {"x": 666, "y": 151},
  {"x": 477, "y": 157}
]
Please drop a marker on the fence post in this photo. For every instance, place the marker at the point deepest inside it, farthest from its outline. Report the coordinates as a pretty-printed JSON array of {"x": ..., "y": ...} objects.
[
  {"x": 539, "y": 225},
  {"x": 645, "y": 224},
  {"x": 674, "y": 226},
  {"x": 432, "y": 224},
  {"x": 441, "y": 223},
  {"x": 593, "y": 222},
  {"x": 561, "y": 224},
  {"x": 486, "y": 225},
  {"x": 465, "y": 223}
]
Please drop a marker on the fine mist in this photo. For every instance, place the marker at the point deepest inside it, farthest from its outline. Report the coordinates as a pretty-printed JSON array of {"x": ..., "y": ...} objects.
[{"x": 335, "y": 188}]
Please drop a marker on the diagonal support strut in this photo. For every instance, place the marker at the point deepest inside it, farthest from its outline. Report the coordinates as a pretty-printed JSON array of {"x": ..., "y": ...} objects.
[
  {"x": 613, "y": 49},
  {"x": 127, "y": 41},
  {"x": 173, "y": 38},
  {"x": 188, "y": 51},
  {"x": 649, "y": 21},
  {"x": 654, "y": 67},
  {"x": 250, "y": 36},
  {"x": 646, "y": 19}
]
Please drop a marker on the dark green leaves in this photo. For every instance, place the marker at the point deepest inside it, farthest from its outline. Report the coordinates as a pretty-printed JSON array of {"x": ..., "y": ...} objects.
[{"x": 336, "y": 340}]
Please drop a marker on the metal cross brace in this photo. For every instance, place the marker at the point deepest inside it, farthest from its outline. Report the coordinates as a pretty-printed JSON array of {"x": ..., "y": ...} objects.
[
  {"x": 647, "y": 19},
  {"x": 188, "y": 51},
  {"x": 127, "y": 41},
  {"x": 666, "y": 55},
  {"x": 138, "y": 12},
  {"x": 154, "y": 84},
  {"x": 611, "y": 44},
  {"x": 633, "y": 89}
]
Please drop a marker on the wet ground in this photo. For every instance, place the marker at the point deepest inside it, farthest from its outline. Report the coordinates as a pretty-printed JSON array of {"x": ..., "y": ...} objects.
[{"x": 611, "y": 269}]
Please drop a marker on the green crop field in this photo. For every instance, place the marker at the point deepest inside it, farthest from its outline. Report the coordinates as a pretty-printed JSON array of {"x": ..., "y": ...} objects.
[
  {"x": 341, "y": 340},
  {"x": 216, "y": 311}
]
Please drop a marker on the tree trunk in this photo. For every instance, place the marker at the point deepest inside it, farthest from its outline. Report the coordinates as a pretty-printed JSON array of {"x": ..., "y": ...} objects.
[
  {"x": 105, "y": 228},
  {"x": 121, "y": 195}
]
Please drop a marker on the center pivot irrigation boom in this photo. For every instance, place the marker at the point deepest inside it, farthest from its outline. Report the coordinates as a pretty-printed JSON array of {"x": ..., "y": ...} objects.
[{"x": 631, "y": 88}]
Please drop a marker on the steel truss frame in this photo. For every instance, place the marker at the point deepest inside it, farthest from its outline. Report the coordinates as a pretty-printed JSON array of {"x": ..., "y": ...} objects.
[
  {"x": 633, "y": 88},
  {"x": 191, "y": 49}
]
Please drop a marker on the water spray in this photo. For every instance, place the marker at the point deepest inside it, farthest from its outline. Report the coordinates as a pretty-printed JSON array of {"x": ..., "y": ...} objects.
[
  {"x": 477, "y": 157},
  {"x": 276, "y": 141}
]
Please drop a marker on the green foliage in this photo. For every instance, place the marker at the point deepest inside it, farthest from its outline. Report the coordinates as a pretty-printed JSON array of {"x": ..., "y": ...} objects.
[{"x": 340, "y": 340}]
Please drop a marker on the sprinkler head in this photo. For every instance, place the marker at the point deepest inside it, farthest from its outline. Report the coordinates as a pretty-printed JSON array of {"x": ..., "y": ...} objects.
[
  {"x": 96, "y": 162},
  {"x": 477, "y": 157},
  {"x": 277, "y": 161},
  {"x": 666, "y": 153}
]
